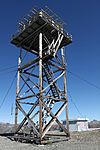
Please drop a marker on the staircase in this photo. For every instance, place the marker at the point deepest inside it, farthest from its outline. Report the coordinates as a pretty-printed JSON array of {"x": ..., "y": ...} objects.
[{"x": 50, "y": 78}]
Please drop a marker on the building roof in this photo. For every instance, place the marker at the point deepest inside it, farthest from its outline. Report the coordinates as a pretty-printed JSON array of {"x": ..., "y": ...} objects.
[{"x": 74, "y": 121}]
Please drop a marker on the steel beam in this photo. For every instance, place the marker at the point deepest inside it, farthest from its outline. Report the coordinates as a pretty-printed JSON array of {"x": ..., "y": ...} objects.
[
  {"x": 40, "y": 85},
  {"x": 65, "y": 87},
  {"x": 18, "y": 88}
]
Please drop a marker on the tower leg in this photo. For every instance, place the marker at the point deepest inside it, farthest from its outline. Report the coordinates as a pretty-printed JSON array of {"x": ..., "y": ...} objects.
[
  {"x": 40, "y": 85},
  {"x": 17, "y": 89},
  {"x": 65, "y": 88}
]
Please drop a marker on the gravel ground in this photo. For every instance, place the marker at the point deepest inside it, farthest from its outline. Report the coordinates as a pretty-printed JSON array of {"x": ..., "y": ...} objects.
[{"x": 78, "y": 141}]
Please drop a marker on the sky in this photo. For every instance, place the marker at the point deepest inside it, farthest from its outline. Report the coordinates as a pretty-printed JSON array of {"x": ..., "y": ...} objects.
[{"x": 83, "y": 55}]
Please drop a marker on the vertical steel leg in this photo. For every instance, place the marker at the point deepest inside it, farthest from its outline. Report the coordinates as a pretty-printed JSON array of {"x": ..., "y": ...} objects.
[
  {"x": 65, "y": 87},
  {"x": 40, "y": 84},
  {"x": 17, "y": 89}
]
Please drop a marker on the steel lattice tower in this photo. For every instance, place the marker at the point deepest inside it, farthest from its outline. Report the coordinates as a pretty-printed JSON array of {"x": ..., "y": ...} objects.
[{"x": 41, "y": 94}]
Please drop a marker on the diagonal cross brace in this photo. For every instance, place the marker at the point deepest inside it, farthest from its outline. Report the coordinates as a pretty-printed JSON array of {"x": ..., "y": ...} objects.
[
  {"x": 28, "y": 86},
  {"x": 28, "y": 114},
  {"x": 54, "y": 118},
  {"x": 27, "y": 117}
]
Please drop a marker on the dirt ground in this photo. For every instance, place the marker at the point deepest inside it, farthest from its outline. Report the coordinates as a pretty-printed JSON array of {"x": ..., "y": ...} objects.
[{"x": 79, "y": 141}]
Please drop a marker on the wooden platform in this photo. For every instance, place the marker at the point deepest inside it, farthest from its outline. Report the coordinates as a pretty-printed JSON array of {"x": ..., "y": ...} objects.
[{"x": 41, "y": 22}]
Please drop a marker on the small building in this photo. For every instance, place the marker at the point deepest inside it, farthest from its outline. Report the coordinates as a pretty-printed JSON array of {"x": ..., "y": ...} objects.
[{"x": 80, "y": 124}]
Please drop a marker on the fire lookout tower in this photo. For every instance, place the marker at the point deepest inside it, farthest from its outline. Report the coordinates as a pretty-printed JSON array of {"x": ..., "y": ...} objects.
[{"x": 41, "y": 94}]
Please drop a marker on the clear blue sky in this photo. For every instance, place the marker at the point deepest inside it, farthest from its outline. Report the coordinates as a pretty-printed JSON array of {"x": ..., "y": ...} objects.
[{"x": 83, "y": 55}]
